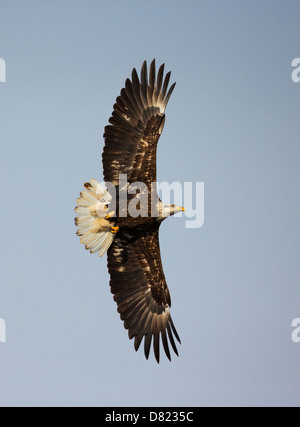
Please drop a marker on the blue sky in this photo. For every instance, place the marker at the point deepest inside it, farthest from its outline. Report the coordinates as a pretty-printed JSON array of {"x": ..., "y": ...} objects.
[{"x": 232, "y": 122}]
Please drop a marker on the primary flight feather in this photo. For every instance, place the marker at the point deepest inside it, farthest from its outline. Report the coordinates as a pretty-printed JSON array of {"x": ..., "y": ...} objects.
[{"x": 124, "y": 222}]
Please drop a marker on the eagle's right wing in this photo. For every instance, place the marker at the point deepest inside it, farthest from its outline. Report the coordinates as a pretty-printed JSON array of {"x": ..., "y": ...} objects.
[{"x": 139, "y": 287}]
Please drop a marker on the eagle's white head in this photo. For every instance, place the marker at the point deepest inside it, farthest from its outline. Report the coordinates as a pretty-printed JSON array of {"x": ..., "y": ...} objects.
[{"x": 168, "y": 210}]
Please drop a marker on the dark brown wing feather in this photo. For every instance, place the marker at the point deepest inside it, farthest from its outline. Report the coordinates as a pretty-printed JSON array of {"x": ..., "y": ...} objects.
[
  {"x": 135, "y": 126},
  {"x": 139, "y": 287}
]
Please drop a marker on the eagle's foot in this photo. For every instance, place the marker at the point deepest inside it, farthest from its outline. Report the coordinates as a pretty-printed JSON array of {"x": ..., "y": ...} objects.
[
  {"x": 114, "y": 230},
  {"x": 110, "y": 215}
]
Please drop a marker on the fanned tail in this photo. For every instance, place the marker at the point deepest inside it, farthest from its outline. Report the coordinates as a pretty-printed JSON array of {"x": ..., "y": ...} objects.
[{"x": 95, "y": 228}]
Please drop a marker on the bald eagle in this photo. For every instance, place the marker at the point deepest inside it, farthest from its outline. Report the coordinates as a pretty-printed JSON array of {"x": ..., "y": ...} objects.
[{"x": 130, "y": 239}]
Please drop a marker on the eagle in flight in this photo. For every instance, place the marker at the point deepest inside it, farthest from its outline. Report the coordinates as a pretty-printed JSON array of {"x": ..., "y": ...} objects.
[{"x": 123, "y": 219}]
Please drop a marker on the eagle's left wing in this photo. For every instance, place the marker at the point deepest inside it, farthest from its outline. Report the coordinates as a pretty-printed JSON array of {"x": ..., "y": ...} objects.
[
  {"x": 135, "y": 126},
  {"x": 139, "y": 287}
]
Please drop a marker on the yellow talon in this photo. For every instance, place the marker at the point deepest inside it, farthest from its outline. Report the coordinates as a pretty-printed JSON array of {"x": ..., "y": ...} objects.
[
  {"x": 114, "y": 229},
  {"x": 110, "y": 215}
]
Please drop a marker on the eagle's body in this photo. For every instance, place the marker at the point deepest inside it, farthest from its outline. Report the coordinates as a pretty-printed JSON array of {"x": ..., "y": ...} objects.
[{"x": 106, "y": 222}]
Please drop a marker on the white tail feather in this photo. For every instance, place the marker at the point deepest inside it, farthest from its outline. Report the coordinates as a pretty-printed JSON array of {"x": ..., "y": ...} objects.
[{"x": 92, "y": 209}]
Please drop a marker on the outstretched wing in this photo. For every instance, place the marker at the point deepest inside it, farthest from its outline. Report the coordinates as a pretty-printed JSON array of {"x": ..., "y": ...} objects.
[
  {"x": 139, "y": 287},
  {"x": 136, "y": 124}
]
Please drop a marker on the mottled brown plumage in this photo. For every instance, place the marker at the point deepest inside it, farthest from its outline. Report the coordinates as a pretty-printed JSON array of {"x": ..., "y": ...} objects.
[
  {"x": 140, "y": 290},
  {"x": 136, "y": 124},
  {"x": 137, "y": 279}
]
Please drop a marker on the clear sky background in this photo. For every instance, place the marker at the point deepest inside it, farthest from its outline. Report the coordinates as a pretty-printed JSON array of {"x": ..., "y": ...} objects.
[{"x": 232, "y": 122}]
